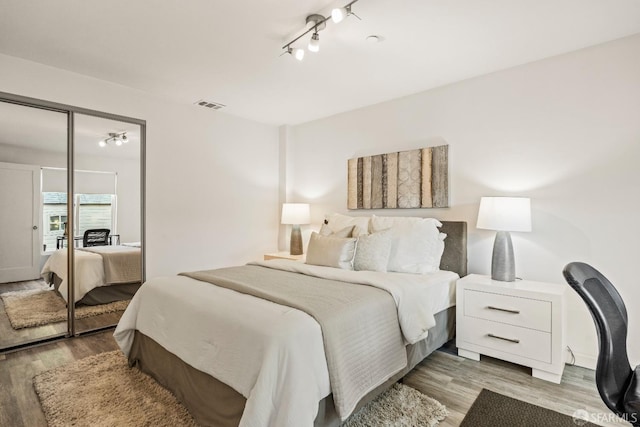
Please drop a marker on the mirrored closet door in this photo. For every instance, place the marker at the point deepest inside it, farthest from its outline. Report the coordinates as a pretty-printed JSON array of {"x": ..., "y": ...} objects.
[
  {"x": 90, "y": 219},
  {"x": 33, "y": 215},
  {"x": 107, "y": 225}
]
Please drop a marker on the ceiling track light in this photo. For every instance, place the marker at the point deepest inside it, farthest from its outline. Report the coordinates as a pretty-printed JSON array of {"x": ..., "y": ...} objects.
[
  {"x": 316, "y": 23},
  {"x": 115, "y": 138}
]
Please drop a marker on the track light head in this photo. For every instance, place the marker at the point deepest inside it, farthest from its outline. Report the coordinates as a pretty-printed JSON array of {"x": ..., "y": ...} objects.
[
  {"x": 314, "y": 43},
  {"x": 295, "y": 52},
  {"x": 298, "y": 54},
  {"x": 339, "y": 13}
]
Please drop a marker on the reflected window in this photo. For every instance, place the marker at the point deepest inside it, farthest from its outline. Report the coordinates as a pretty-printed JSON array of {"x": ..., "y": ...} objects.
[
  {"x": 57, "y": 222},
  {"x": 92, "y": 211},
  {"x": 54, "y": 213},
  {"x": 95, "y": 211}
]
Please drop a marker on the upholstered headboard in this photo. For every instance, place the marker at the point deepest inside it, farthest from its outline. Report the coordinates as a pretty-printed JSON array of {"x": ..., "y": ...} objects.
[{"x": 454, "y": 257}]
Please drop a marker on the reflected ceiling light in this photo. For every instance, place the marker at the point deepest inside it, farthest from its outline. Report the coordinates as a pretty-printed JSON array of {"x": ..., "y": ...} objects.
[
  {"x": 316, "y": 23},
  {"x": 116, "y": 138}
]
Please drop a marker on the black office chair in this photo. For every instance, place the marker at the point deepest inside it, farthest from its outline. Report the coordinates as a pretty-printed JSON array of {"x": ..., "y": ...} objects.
[
  {"x": 96, "y": 237},
  {"x": 618, "y": 384}
]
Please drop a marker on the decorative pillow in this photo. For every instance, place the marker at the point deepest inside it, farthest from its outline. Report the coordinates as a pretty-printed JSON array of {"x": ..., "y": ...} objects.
[
  {"x": 325, "y": 230},
  {"x": 331, "y": 251},
  {"x": 416, "y": 244},
  {"x": 372, "y": 251},
  {"x": 338, "y": 221}
]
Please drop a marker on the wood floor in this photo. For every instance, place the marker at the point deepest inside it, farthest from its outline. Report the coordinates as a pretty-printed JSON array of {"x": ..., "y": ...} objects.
[
  {"x": 10, "y": 337},
  {"x": 19, "y": 405},
  {"x": 452, "y": 380},
  {"x": 456, "y": 382}
]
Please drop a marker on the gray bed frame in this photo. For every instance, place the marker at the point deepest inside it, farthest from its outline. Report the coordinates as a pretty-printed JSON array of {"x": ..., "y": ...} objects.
[{"x": 197, "y": 390}]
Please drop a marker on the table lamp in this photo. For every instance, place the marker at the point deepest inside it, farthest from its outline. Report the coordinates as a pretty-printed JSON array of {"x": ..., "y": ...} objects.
[
  {"x": 295, "y": 214},
  {"x": 504, "y": 214}
]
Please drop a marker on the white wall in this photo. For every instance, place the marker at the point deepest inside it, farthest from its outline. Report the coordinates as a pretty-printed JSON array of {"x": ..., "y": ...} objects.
[
  {"x": 212, "y": 179},
  {"x": 564, "y": 131}
]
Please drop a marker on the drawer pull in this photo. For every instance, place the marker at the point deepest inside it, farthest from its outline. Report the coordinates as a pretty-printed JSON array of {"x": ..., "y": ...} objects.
[
  {"x": 506, "y": 310},
  {"x": 515, "y": 341}
]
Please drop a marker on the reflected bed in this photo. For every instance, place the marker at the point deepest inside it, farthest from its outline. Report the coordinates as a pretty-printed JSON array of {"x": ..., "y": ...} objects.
[{"x": 103, "y": 273}]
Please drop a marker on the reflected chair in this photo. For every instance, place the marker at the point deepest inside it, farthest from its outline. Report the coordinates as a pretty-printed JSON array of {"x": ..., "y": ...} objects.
[
  {"x": 618, "y": 384},
  {"x": 96, "y": 237}
]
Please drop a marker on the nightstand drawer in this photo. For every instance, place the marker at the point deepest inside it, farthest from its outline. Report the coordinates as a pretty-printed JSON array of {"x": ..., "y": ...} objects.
[
  {"x": 524, "y": 312},
  {"x": 521, "y": 342}
]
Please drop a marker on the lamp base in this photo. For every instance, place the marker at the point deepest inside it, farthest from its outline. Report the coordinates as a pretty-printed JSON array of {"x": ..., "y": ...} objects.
[
  {"x": 295, "y": 246},
  {"x": 503, "y": 266}
]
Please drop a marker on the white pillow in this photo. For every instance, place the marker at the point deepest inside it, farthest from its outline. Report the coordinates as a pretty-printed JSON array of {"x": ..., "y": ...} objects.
[
  {"x": 331, "y": 251},
  {"x": 338, "y": 222},
  {"x": 372, "y": 251},
  {"x": 416, "y": 244},
  {"x": 325, "y": 230}
]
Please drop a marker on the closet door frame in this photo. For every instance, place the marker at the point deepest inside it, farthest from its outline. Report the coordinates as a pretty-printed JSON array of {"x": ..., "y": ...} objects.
[{"x": 71, "y": 111}]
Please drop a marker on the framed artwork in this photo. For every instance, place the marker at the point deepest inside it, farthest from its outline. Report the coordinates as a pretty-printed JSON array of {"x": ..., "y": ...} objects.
[{"x": 402, "y": 180}]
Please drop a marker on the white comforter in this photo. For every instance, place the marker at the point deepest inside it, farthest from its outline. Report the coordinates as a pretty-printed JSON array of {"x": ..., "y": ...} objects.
[
  {"x": 271, "y": 354},
  {"x": 89, "y": 273}
]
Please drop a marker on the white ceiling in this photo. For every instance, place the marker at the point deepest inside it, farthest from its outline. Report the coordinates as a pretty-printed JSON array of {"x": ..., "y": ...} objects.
[{"x": 228, "y": 50}]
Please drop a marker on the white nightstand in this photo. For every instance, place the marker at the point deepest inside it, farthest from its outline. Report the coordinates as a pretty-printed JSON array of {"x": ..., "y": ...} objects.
[
  {"x": 520, "y": 322},
  {"x": 283, "y": 255}
]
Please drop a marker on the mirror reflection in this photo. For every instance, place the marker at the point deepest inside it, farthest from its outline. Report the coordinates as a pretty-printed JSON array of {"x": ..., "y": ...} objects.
[
  {"x": 33, "y": 142},
  {"x": 106, "y": 235},
  {"x": 36, "y": 231}
]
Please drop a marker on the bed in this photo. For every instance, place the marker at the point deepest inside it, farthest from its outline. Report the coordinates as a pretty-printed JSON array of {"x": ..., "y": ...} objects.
[
  {"x": 209, "y": 344},
  {"x": 103, "y": 274}
]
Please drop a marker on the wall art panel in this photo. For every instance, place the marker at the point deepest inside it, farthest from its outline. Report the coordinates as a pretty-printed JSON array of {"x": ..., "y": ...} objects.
[{"x": 406, "y": 179}]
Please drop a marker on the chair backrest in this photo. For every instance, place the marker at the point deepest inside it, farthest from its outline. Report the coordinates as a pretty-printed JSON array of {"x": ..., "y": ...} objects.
[
  {"x": 606, "y": 306},
  {"x": 96, "y": 237}
]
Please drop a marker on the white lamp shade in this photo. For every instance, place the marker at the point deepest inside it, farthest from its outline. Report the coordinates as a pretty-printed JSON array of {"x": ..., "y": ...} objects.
[
  {"x": 338, "y": 14},
  {"x": 295, "y": 213},
  {"x": 505, "y": 213},
  {"x": 314, "y": 43},
  {"x": 298, "y": 54}
]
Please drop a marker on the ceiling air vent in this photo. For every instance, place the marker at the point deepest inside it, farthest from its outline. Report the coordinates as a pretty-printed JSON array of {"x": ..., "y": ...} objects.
[{"x": 209, "y": 104}]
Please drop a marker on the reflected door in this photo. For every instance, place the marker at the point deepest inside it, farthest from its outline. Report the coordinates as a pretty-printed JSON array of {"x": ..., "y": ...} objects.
[{"x": 19, "y": 219}]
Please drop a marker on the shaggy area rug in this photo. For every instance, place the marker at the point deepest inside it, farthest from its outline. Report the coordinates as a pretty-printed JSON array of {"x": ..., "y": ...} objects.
[
  {"x": 400, "y": 406},
  {"x": 26, "y": 309},
  {"x": 103, "y": 391}
]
